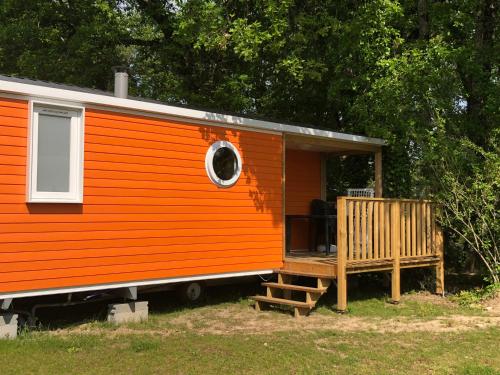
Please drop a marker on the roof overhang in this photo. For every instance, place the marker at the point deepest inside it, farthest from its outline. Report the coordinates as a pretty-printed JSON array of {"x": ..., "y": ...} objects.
[
  {"x": 297, "y": 136},
  {"x": 333, "y": 144}
]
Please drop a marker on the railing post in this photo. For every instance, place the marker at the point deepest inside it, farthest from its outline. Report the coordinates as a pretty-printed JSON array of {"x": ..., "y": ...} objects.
[
  {"x": 439, "y": 243},
  {"x": 341, "y": 255},
  {"x": 395, "y": 251}
]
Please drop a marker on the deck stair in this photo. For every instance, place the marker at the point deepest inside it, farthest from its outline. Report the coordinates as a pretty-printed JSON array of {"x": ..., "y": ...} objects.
[{"x": 285, "y": 293}]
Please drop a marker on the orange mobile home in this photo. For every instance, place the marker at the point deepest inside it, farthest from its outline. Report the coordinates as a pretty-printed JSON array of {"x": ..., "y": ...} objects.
[{"x": 103, "y": 192}]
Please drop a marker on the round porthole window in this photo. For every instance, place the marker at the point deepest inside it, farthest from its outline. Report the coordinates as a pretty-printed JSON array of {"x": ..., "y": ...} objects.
[{"x": 223, "y": 163}]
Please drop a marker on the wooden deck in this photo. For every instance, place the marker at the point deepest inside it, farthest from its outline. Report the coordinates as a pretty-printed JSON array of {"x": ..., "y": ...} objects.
[
  {"x": 373, "y": 234},
  {"x": 312, "y": 264},
  {"x": 321, "y": 265}
]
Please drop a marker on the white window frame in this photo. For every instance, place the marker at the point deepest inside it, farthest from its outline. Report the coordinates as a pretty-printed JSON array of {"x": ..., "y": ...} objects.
[
  {"x": 77, "y": 115},
  {"x": 209, "y": 166}
]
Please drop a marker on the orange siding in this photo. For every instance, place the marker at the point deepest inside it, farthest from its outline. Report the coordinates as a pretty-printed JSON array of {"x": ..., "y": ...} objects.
[
  {"x": 303, "y": 184},
  {"x": 149, "y": 211}
]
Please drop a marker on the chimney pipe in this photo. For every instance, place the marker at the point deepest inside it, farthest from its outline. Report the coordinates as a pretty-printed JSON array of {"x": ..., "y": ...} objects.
[{"x": 121, "y": 82}]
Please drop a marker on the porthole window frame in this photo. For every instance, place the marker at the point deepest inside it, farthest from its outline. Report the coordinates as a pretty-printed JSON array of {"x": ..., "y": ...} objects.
[{"x": 209, "y": 158}]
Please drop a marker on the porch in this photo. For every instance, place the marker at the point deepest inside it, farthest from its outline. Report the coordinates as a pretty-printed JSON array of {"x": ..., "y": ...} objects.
[
  {"x": 365, "y": 234},
  {"x": 373, "y": 234}
]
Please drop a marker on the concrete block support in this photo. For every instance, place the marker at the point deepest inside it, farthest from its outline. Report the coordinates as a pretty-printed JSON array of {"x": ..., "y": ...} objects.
[
  {"x": 131, "y": 312},
  {"x": 8, "y": 326}
]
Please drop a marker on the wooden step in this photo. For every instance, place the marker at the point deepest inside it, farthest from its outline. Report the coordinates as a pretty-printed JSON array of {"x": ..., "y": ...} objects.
[
  {"x": 299, "y": 288},
  {"x": 306, "y": 274},
  {"x": 281, "y": 301}
]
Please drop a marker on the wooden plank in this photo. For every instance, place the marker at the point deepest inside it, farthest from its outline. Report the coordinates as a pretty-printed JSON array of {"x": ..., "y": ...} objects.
[
  {"x": 350, "y": 249},
  {"x": 369, "y": 248},
  {"x": 281, "y": 301},
  {"x": 298, "y": 288},
  {"x": 382, "y": 229},
  {"x": 413, "y": 229},
  {"x": 357, "y": 240},
  {"x": 408, "y": 228},
  {"x": 428, "y": 231},
  {"x": 400, "y": 200},
  {"x": 387, "y": 234},
  {"x": 440, "y": 265},
  {"x": 433, "y": 230},
  {"x": 402, "y": 229},
  {"x": 423, "y": 222},
  {"x": 418, "y": 219},
  {"x": 395, "y": 251},
  {"x": 363, "y": 230},
  {"x": 341, "y": 255},
  {"x": 376, "y": 220}
]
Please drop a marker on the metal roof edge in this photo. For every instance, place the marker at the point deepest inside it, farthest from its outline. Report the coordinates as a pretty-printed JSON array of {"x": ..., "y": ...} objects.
[{"x": 87, "y": 96}]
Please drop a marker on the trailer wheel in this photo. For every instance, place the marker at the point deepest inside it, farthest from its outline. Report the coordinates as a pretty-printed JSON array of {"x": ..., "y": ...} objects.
[{"x": 191, "y": 292}]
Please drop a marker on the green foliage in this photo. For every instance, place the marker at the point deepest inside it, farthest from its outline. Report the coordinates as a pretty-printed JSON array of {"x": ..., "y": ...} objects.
[
  {"x": 467, "y": 185},
  {"x": 474, "y": 298}
]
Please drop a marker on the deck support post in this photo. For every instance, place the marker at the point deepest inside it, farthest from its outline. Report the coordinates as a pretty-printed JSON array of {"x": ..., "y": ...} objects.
[
  {"x": 439, "y": 243},
  {"x": 341, "y": 255},
  {"x": 378, "y": 173},
  {"x": 395, "y": 252}
]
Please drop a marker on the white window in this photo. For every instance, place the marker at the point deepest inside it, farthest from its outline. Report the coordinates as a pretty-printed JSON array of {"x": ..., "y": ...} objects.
[
  {"x": 55, "y": 170},
  {"x": 223, "y": 164}
]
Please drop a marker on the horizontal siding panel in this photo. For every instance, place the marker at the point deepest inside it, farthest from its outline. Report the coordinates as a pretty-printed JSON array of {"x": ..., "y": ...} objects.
[
  {"x": 78, "y": 244},
  {"x": 16, "y": 112},
  {"x": 42, "y": 255},
  {"x": 8, "y": 140},
  {"x": 21, "y": 123},
  {"x": 12, "y": 159},
  {"x": 13, "y": 103},
  {"x": 157, "y": 202},
  {"x": 14, "y": 176},
  {"x": 140, "y": 218},
  {"x": 131, "y": 267},
  {"x": 20, "y": 192},
  {"x": 173, "y": 183},
  {"x": 130, "y": 276},
  {"x": 145, "y": 234},
  {"x": 13, "y": 150},
  {"x": 148, "y": 121},
  {"x": 12, "y": 131},
  {"x": 151, "y": 145},
  {"x": 121, "y": 209},
  {"x": 195, "y": 169},
  {"x": 173, "y": 259},
  {"x": 42, "y": 227},
  {"x": 169, "y": 134},
  {"x": 181, "y": 160}
]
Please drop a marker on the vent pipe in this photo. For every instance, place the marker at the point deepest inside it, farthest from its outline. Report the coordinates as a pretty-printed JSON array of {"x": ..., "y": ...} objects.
[{"x": 121, "y": 82}]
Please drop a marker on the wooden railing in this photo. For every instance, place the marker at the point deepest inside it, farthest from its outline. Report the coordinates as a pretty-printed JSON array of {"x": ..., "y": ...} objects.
[
  {"x": 384, "y": 229},
  {"x": 377, "y": 234}
]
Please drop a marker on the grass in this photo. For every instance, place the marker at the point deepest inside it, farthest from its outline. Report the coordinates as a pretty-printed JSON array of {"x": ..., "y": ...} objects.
[
  {"x": 220, "y": 337},
  {"x": 475, "y": 352}
]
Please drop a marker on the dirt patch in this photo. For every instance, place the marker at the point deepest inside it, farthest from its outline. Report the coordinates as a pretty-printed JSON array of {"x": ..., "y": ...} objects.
[
  {"x": 241, "y": 319},
  {"x": 426, "y": 297},
  {"x": 92, "y": 329},
  {"x": 493, "y": 305},
  {"x": 234, "y": 320}
]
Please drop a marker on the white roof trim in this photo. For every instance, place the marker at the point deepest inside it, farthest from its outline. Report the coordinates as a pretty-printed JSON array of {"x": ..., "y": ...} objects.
[{"x": 56, "y": 93}]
